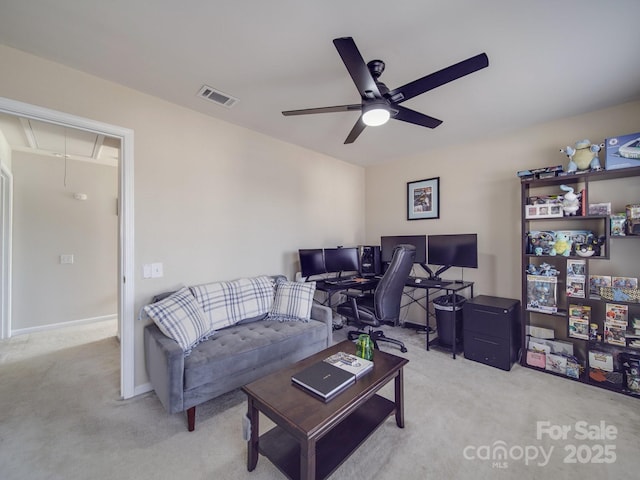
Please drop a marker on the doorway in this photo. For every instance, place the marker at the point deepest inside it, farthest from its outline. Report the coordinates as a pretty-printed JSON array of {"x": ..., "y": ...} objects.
[
  {"x": 125, "y": 228},
  {"x": 6, "y": 209}
]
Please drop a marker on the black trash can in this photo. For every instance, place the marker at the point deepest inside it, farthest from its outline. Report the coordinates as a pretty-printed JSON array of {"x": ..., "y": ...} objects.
[{"x": 446, "y": 316}]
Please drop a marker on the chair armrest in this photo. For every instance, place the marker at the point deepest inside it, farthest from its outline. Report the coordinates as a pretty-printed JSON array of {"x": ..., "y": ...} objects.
[
  {"x": 322, "y": 313},
  {"x": 164, "y": 361},
  {"x": 352, "y": 294}
]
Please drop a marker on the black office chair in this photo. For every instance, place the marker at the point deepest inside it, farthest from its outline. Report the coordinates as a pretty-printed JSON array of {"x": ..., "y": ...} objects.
[{"x": 383, "y": 306}]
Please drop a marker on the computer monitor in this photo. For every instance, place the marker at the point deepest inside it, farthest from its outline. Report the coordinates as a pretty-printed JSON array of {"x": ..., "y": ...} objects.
[
  {"x": 388, "y": 244},
  {"x": 457, "y": 250},
  {"x": 343, "y": 259},
  {"x": 312, "y": 262}
]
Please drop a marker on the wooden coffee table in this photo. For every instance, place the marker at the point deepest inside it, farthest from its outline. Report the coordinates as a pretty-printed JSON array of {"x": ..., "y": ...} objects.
[{"x": 312, "y": 438}]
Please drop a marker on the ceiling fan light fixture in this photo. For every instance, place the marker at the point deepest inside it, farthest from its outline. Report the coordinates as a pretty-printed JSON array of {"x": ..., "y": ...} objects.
[{"x": 376, "y": 114}]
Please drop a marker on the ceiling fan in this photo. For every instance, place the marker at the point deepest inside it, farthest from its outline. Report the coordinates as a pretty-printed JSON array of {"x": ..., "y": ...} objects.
[{"x": 378, "y": 103}]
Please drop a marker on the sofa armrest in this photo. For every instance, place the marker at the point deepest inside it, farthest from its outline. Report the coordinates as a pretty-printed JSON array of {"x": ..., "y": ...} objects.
[
  {"x": 164, "y": 361},
  {"x": 322, "y": 313}
]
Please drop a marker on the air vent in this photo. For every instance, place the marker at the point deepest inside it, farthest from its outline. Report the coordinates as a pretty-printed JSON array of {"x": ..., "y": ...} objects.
[{"x": 216, "y": 96}]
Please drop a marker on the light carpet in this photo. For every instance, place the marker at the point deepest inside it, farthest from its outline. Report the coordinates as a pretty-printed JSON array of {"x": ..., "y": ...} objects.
[{"x": 61, "y": 418}]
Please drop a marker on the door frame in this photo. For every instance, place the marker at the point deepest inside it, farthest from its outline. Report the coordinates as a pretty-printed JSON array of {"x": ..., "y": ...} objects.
[
  {"x": 6, "y": 211},
  {"x": 126, "y": 279}
]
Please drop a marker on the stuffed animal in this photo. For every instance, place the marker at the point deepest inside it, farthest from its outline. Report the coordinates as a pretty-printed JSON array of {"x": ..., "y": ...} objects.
[
  {"x": 562, "y": 245},
  {"x": 583, "y": 156}
]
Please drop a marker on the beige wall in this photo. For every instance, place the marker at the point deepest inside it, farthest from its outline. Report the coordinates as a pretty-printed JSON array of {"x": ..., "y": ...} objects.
[
  {"x": 212, "y": 201},
  {"x": 49, "y": 222},
  {"x": 480, "y": 193}
]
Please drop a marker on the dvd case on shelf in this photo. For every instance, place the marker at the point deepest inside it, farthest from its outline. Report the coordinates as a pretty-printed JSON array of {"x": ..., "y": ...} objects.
[
  {"x": 624, "y": 282},
  {"x": 596, "y": 282}
]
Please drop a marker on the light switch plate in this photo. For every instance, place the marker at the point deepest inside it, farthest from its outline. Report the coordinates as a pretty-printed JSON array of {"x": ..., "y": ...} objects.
[{"x": 156, "y": 270}]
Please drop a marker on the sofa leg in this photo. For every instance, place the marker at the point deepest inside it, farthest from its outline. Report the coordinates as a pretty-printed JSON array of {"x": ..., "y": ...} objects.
[{"x": 191, "y": 418}]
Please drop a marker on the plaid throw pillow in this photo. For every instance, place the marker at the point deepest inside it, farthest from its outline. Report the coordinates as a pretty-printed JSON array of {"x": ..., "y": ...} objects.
[
  {"x": 293, "y": 301},
  {"x": 180, "y": 317},
  {"x": 226, "y": 303}
]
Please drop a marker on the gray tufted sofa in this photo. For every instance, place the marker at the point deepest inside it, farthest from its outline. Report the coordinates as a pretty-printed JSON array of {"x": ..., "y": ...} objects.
[{"x": 233, "y": 357}]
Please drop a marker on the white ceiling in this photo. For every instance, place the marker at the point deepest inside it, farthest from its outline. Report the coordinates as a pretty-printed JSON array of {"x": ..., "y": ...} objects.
[{"x": 548, "y": 59}]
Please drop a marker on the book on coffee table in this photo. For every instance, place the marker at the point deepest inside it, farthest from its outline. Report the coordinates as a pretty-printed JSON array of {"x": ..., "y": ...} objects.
[
  {"x": 351, "y": 363},
  {"x": 324, "y": 380}
]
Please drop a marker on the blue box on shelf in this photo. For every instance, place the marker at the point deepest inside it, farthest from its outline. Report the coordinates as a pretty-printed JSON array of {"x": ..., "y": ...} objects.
[{"x": 622, "y": 151}]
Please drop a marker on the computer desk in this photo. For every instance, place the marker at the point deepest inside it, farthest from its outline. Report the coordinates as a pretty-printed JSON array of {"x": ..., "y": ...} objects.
[{"x": 430, "y": 288}]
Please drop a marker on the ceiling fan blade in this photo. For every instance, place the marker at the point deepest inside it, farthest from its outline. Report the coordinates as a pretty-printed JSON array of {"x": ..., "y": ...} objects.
[
  {"x": 357, "y": 67},
  {"x": 438, "y": 78},
  {"x": 337, "y": 108},
  {"x": 417, "y": 118},
  {"x": 355, "y": 131}
]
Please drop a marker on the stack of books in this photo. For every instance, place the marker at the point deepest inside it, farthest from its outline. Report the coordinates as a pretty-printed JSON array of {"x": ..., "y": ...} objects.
[{"x": 333, "y": 375}]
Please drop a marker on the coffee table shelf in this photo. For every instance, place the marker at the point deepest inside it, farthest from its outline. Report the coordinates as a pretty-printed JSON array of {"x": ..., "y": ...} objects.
[{"x": 283, "y": 450}]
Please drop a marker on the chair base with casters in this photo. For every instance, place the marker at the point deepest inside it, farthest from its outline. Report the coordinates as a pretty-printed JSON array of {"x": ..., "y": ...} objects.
[
  {"x": 376, "y": 336},
  {"x": 384, "y": 305}
]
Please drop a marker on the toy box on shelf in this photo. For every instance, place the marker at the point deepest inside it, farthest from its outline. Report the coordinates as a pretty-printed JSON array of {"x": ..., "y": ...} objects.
[
  {"x": 576, "y": 278},
  {"x": 542, "y": 293},
  {"x": 621, "y": 289},
  {"x": 579, "y": 317},
  {"x": 622, "y": 151},
  {"x": 605, "y": 368},
  {"x": 633, "y": 219},
  {"x": 596, "y": 282}
]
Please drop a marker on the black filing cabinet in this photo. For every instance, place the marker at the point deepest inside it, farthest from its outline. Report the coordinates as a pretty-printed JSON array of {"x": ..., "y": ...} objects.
[{"x": 492, "y": 330}]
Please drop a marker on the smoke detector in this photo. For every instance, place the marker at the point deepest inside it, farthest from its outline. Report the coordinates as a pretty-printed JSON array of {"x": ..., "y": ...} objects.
[{"x": 216, "y": 96}]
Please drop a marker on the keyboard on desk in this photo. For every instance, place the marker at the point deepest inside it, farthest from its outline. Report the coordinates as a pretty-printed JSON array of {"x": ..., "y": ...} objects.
[
  {"x": 340, "y": 281},
  {"x": 351, "y": 282}
]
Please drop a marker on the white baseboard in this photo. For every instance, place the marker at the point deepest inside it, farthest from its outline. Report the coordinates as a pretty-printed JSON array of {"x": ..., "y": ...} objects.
[
  {"x": 55, "y": 326},
  {"x": 140, "y": 389}
]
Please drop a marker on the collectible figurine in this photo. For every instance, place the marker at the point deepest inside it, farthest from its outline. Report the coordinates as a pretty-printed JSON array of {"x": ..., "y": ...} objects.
[
  {"x": 583, "y": 156},
  {"x": 562, "y": 245},
  {"x": 570, "y": 203},
  {"x": 547, "y": 270}
]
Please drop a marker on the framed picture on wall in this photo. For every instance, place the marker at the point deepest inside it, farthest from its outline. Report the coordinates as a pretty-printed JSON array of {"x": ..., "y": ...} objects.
[{"x": 423, "y": 199}]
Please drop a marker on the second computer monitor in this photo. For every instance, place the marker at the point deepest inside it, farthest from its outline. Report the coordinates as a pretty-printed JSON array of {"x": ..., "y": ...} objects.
[
  {"x": 457, "y": 250},
  {"x": 388, "y": 244},
  {"x": 344, "y": 259},
  {"x": 312, "y": 262}
]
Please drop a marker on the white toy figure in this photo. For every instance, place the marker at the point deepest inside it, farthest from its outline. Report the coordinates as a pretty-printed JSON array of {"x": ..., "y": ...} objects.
[
  {"x": 583, "y": 156},
  {"x": 570, "y": 202}
]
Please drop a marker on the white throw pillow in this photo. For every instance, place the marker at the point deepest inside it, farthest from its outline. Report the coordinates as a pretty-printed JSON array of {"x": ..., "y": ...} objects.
[
  {"x": 293, "y": 301},
  {"x": 180, "y": 317},
  {"x": 227, "y": 303}
]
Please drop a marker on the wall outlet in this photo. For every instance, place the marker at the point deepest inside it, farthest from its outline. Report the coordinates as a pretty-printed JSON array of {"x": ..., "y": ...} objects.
[{"x": 66, "y": 258}]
